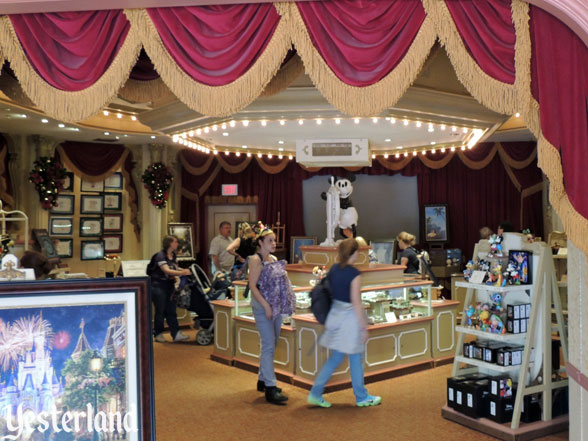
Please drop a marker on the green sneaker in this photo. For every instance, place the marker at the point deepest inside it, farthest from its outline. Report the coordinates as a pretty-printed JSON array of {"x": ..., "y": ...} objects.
[
  {"x": 371, "y": 400},
  {"x": 321, "y": 402}
]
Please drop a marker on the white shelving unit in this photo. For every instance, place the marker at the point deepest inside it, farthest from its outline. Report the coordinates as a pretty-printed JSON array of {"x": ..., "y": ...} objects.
[{"x": 533, "y": 375}]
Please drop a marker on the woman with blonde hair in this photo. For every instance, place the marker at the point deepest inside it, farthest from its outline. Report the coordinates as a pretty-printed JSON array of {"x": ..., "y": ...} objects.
[
  {"x": 242, "y": 247},
  {"x": 345, "y": 328},
  {"x": 408, "y": 256}
]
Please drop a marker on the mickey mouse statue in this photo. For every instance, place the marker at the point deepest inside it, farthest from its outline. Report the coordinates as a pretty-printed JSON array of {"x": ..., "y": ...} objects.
[{"x": 340, "y": 213}]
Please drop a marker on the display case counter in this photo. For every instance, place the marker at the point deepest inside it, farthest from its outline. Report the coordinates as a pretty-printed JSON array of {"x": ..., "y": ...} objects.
[
  {"x": 248, "y": 347},
  {"x": 224, "y": 328},
  {"x": 442, "y": 328},
  {"x": 300, "y": 274},
  {"x": 390, "y": 347}
]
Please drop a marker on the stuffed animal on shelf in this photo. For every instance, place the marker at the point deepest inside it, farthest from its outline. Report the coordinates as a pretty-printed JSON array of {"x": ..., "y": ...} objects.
[
  {"x": 484, "y": 320},
  {"x": 512, "y": 275},
  {"x": 470, "y": 313},
  {"x": 467, "y": 273},
  {"x": 496, "y": 299},
  {"x": 495, "y": 246},
  {"x": 496, "y": 325}
]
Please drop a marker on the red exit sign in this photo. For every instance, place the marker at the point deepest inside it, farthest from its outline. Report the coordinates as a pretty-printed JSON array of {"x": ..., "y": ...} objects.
[{"x": 230, "y": 190}]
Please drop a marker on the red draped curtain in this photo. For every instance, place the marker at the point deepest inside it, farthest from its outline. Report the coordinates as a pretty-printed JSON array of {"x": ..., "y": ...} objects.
[
  {"x": 6, "y": 190},
  {"x": 95, "y": 162},
  {"x": 484, "y": 186}
]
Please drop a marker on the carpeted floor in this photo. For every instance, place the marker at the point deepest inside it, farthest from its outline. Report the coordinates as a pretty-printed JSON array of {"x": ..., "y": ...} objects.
[{"x": 199, "y": 399}]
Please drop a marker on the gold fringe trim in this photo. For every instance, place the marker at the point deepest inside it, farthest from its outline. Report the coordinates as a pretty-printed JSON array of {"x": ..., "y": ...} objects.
[
  {"x": 196, "y": 171},
  {"x": 532, "y": 190},
  {"x": 211, "y": 100},
  {"x": 395, "y": 166},
  {"x": 6, "y": 198},
  {"x": 575, "y": 225},
  {"x": 234, "y": 200},
  {"x": 518, "y": 165},
  {"x": 358, "y": 101},
  {"x": 144, "y": 91},
  {"x": 233, "y": 168},
  {"x": 208, "y": 181},
  {"x": 526, "y": 104},
  {"x": 435, "y": 165},
  {"x": 63, "y": 105},
  {"x": 494, "y": 94},
  {"x": 285, "y": 76},
  {"x": 92, "y": 178},
  {"x": 272, "y": 169},
  {"x": 478, "y": 165}
]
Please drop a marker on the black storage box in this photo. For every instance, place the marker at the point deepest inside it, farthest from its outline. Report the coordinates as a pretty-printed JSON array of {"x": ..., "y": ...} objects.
[
  {"x": 500, "y": 409},
  {"x": 501, "y": 387},
  {"x": 531, "y": 411},
  {"x": 455, "y": 398},
  {"x": 475, "y": 393},
  {"x": 560, "y": 404}
]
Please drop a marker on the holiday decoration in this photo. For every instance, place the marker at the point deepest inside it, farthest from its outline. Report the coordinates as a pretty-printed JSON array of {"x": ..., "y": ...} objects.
[
  {"x": 157, "y": 179},
  {"x": 48, "y": 176},
  {"x": 5, "y": 243}
]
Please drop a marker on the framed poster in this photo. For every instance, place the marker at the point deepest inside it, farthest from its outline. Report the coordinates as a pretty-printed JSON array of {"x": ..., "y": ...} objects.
[
  {"x": 183, "y": 231},
  {"x": 295, "y": 243},
  {"x": 384, "y": 251},
  {"x": 64, "y": 247},
  {"x": 91, "y": 204},
  {"x": 113, "y": 201},
  {"x": 521, "y": 260},
  {"x": 108, "y": 376},
  {"x": 134, "y": 268},
  {"x": 45, "y": 243},
  {"x": 113, "y": 243},
  {"x": 93, "y": 186},
  {"x": 68, "y": 183},
  {"x": 436, "y": 223},
  {"x": 92, "y": 249},
  {"x": 90, "y": 226},
  {"x": 114, "y": 182},
  {"x": 65, "y": 204},
  {"x": 61, "y": 226},
  {"x": 113, "y": 222}
]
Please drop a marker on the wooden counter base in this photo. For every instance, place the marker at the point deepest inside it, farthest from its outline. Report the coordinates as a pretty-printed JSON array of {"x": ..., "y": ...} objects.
[{"x": 503, "y": 431}]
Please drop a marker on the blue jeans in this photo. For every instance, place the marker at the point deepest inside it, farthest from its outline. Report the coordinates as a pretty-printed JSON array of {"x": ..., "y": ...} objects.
[
  {"x": 269, "y": 332},
  {"x": 165, "y": 308},
  {"x": 356, "y": 365}
]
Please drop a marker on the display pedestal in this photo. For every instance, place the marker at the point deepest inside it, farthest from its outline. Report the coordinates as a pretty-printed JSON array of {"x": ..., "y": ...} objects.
[
  {"x": 375, "y": 274},
  {"x": 327, "y": 256},
  {"x": 503, "y": 431}
]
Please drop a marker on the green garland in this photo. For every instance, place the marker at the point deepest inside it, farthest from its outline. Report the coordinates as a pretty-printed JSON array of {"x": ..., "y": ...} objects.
[
  {"x": 48, "y": 175},
  {"x": 157, "y": 179}
]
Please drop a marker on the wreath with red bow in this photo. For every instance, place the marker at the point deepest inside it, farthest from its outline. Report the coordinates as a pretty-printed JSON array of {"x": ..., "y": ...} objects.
[
  {"x": 48, "y": 176},
  {"x": 157, "y": 179}
]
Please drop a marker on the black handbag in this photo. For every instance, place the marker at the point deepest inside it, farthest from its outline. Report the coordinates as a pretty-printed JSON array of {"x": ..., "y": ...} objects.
[{"x": 321, "y": 299}]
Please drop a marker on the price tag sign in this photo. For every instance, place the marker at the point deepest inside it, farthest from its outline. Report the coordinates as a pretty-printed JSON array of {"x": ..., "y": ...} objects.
[{"x": 477, "y": 277}]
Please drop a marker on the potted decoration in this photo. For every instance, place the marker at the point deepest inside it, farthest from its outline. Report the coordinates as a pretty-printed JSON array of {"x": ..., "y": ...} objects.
[
  {"x": 48, "y": 176},
  {"x": 157, "y": 179}
]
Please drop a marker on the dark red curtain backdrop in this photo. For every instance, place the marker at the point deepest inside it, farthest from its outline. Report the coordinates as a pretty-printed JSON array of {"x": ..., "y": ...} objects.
[
  {"x": 362, "y": 41},
  {"x": 488, "y": 33},
  {"x": 71, "y": 50},
  {"x": 215, "y": 45},
  {"x": 475, "y": 198},
  {"x": 560, "y": 84}
]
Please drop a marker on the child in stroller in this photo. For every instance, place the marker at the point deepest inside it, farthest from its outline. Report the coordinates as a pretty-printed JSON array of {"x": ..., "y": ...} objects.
[{"x": 195, "y": 293}]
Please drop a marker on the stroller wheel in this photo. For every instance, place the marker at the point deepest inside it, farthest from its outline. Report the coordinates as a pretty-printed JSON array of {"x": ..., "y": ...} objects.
[{"x": 204, "y": 337}]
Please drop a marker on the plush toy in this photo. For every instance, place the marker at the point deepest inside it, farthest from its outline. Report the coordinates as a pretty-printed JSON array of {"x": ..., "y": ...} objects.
[
  {"x": 496, "y": 299},
  {"x": 495, "y": 246},
  {"x": 347, "y": 220},
  {"x": 496, "y": 325},
  {"x": 485, "y": 320},
  {"x": 467, "y": 273},
  {"x": 470, "y": 313}
]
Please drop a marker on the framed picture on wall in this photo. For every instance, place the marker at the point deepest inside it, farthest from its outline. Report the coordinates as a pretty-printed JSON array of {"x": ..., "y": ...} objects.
[
  {"x": 68, "y": 183},
  {"x": 92, "y": 249},
  {"x": 113, "y": 243},
  {"x": 113, "y": 201},
  {"x": 122, "y": 367},
  {"x": 91, "y": 204},
  {"x": 113, "y": 222},
  {"x": 64, "y": 247},
  {"x": 65, "y": 204},
  {"x": 61, "y": 226},
  {"x": 92, "y": 186},
  {"x": 384, "y": 251},
  {"x": 185, "y": 235},
  {"x": 295, "y": 243},
  {"x": 436, "y": 223},
  {"x": 45, "y": 243},
  {"x": 114, "y": 182},
  {"x": 90, "y": 226}
]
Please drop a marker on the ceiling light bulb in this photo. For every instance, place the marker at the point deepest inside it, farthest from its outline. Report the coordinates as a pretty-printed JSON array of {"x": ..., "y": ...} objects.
[
  {"x": 223, "y": 126},
  {"x": 433, "y": 143},
  {"x": 453, "y": 129},
  {"x": 418, "y": 124},
  {"x": 443, "y": 150},
  {"x": 105, "y": 113},
  {"x": 373, "y": 156},
  {"x": 263, "y": 123},
  {"x": 319, "y": 122},
  {"x": 387, "y": 140},
  {"x": 206, "y": 130},
  {"x": 281, "y": 149},
  {"x": 133, "y": 117},
  {"x": 406, "y": 154},
  {"x": 282, "y": 122},
  {"x": 227, "y": 153},
  {"x": 238, "y": 154},
  {"x": 356, "y": 120},
  {"x": 153, "y": 136},
  {"x": 300, "y": 121},
  {"x": 397, "y": 155},
  {"x": 249, "y": 154},
  {"x": 470, "y": 147},
  {"x": 433, "y": 151},
  {"x": 424, "y": 152},
  {"x": 280, "y": 156},
  {"x": 232, "y": 123},
  {"x": 270, "y": 156},
  {"x": 184, "y": 135},
  {"x": 191, "y": 133},
  {"x": 106, "y": 133},
  {"x": 405, "y": 122},
  {"x": 44, "y": 121},
  {"x": 290, "y": 157},
  {"x": 414, "y": 153},
  {"x": 215, "y": 152},
  {"x": 465, "y": 130},
  {"x": 399, "y": 147},
  {"x": 517, "y": 114},
  {"x": 245, "y": 123},
  {"x": 392, "y": 120},
  {"x": 337, "y": 120},
  {"x": 119, "y": 115},
  {"x": 225, "y": 133},
  {"x": 431, "y": 128},
  {"x": 463, "y": 148},
  {"x": 244, "y": 146},
  {"x": 443, "y": 127},
  {"x": 198, "y": 131},
  {"x": 452, "y": 149},
  {"x": 180, "y": 141},
  {"x": 214, "y": 128},
  {"x": 375, "y": 120},
  {"x": 259, "y": 155},
  {"x": 385, "y": 155}
]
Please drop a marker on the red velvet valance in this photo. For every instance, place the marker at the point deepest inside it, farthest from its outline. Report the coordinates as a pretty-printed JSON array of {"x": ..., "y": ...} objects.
[
  {"x": 6, "y": 191},
  {"x": 95, "y": 162},
  {"x": 484, "y": 186}
]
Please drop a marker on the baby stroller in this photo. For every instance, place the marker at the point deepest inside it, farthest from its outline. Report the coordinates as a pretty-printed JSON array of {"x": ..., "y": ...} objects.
[{"x": 195, "y": 294}]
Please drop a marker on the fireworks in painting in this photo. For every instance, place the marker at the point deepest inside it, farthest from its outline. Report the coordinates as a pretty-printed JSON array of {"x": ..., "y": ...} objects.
[{"x": 18, "y": 337}]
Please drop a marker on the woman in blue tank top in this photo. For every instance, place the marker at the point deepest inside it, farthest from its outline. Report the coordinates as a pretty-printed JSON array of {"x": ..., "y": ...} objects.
[{"x": 345, "y": 328}]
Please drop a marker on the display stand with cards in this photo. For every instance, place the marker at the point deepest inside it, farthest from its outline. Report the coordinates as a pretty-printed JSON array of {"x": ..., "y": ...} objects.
[{"x": 521, "y": 354}]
